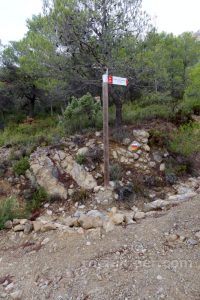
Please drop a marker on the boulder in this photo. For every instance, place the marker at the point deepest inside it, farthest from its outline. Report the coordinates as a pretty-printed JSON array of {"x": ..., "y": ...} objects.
[
  {"x": 139, "y": 134},
  {"x": 46, "y": 175},
  {"x": 83, "y": 178}
]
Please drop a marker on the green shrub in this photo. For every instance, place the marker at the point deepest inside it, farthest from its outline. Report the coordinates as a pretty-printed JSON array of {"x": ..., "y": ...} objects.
[
  {"x": 190, "y": 106},
  {"x": 115, "y": 172},
  {"x": 80, "y": 196},
  {"x": 158, "y": 138},
  {"x": 80, "y": 159},
  {"x": 39, "y": 132},
  {"x": 21, "y": 166},
  {"x": 81, "y": 113},
  {"x": 186, "y": 140},
  {"x": 39, "y": 197},
  {"x": 134, "y": 112},
  {"x": 9, "y": 209}
]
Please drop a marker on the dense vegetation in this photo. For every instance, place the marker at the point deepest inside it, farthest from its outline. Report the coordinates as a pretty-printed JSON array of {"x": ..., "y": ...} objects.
[{"x": 63, "y": 56}]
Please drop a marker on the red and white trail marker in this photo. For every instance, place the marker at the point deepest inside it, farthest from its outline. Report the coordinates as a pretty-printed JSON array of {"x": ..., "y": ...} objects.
[{"x": 115, "y": 80}]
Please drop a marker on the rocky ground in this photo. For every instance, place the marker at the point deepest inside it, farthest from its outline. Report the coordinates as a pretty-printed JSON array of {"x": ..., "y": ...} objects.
[
  {"x": 139, "y": 239},
  {"x": 155, "y": 258}
]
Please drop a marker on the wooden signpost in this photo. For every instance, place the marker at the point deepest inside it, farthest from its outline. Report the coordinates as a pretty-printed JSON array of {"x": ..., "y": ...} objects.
[{"x": 106, "y": 80}]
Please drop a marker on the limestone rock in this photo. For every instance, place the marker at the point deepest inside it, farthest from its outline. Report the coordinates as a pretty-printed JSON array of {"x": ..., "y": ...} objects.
[
  {"x": 8, "y": 225},
  {"x": 28, "y": 227},
  {"x": 17, "y": 295},
  {"x": 162, "y": 167},
  {"x": 83, "y": 178},
  {"x": 18, "y": 227},
  {"x": 118, "y": 218},
  {"x": 157, "y": 157},
  {"x": 37, "y": 225},
  {"x": 48, "y": 227},
  {"x": 139, "y": 215},
  {"x": 182, "y": 198},
  {"x": 105, "y": 197},
  {"x": 46, "y": 174},
  {"x": 172, "y": 237},
  {"x": 83, "y": 151},
  {"x": 157, "y": 204},
  {"x": 88, "y": 222},
  {"x": 197, "y": 235},
  {"x": 126, "y": 141},
  {"x": 108, "y": 226},
  {"x": 140, "y": 133},
  {"x": 146, "y": 148}
]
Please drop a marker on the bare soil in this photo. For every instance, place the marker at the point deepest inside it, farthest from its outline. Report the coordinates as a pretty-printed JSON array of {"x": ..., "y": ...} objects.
[{"x": 136, "y": 262}]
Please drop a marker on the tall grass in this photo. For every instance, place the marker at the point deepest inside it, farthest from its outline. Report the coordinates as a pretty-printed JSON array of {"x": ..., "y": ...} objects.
[{"x": 41, "y": 130}]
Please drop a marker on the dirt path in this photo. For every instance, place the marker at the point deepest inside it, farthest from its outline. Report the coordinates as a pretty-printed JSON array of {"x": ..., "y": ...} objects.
[{"x": 133, "y": 263}]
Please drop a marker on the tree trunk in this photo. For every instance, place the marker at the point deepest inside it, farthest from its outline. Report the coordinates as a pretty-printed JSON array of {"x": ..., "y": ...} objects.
[{"x": 32, "y": 107}]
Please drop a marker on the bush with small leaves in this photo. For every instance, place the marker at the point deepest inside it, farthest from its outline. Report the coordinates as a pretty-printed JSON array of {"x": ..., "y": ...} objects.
[
  {"x": 115, "y": 172},
  {"x": 21, "y": 166},
  {"x": 9, "y": 209},
  {"x": 81, "y": 113}
]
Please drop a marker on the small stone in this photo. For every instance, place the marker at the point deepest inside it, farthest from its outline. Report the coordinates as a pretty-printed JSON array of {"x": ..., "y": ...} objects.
[
  {"x": 70, "y": 192},
  {"x": 126, "y": 141},
  {"x": 3, "y": 295},
  {"x": 146, "y": 148},
  {"x": 28, "y": 227},
  {"x": 18, "y": 228},
  {"x": 108, "y": 226},
  {"x": 16, "y": 222},
  {"x": 83, "y": 151},
  {"x": 172, "y": 237},
  {"x": 182, "y": 238},
  {"x": 159, "y": 277},
  {"x": 152, "y": 164},
  {"x": 23, "y": 221},
  {"x": 118, "y": 218},
  {"x": 162, "y": 167},
  {"x": 48, "y": 227},
  {"x": 88, "y": 243},
  {"x": 97, "y": 133},
  {"x": 9, "y": 287},
  {"x": 49, "y": 212},
  {"x": 136, "y": 156},
  {"x": 157, "y": 204},
  {"x": 192, "y": 242},
  {"x": 197, "y": 235},
  {"x": 17, "y": 295},
  {"x": 97, "y": 189},
  {"x": 157, "y": 157},
  {"x": 45, "y": 241},
  {"x": 8, "y": 225},
  {"x": 46, "y": 205},
  {"x": 139, "y": 215},
  {"x": 88, "y": 222},
  {"x": 37, "y": 225}
]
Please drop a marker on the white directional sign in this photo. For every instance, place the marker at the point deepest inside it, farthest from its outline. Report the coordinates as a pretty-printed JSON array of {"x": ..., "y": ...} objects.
[{"x": 115, "y": 80}]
